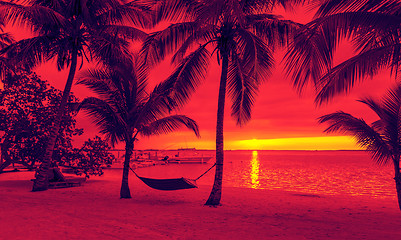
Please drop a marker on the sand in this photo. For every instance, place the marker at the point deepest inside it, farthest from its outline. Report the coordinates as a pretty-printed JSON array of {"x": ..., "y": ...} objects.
[{"x": 94, "y": 211}]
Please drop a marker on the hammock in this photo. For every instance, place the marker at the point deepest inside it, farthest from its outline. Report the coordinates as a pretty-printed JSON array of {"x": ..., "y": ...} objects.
[{"x": 171, "y": 183}]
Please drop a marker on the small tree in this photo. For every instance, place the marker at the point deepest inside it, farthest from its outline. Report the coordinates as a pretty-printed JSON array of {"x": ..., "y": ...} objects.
[
  {"x": 90, "y": 158},
  {"x": 382, "y": 137},
  {"x": 27, "y": 109},
  {"x": 125, "y": 109}
]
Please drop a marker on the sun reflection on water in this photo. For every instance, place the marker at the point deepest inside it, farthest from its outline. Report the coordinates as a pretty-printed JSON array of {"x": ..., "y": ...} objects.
[{"x": 255, "y": 170}]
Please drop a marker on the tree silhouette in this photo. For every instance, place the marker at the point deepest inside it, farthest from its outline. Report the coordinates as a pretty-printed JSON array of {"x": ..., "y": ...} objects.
[
  {"x": 382, "y": 137},
  {"x": 27, "y": 109},
  {"x": 69, "y": 31},
  {"x": 125, "y": 109},
  {"x": 89, "y": 159},
  {"x": 242, "y": 34},
  {"x": 373, "y": 27}
]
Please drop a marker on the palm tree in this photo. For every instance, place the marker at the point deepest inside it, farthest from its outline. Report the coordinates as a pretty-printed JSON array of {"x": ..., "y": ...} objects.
[
  {"x": 374, "y": 29},
  {"x": 124, "y": 109},
  {"x": 382, "y": 137},
  {"x": 71, "y": 31},
  {"x": 242, "y": 33}
]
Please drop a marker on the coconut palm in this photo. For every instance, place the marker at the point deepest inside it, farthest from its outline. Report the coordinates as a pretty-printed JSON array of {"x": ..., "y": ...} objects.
[
  {"x": 382, "y": 137},
  {"x": 241, "y": 33},
  {"x": 71, "y": 31},
  {"x": 373, "y": 27},
  {"x": 125, "y": 110}
]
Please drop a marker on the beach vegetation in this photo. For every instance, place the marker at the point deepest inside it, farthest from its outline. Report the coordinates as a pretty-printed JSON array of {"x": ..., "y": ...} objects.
[
  {"x": 240, "y": 35},
  {"x": 27, "y": 109},
  {"x": 71, "y": 33},
  {"x": 372, "y": 27},
  {"x": 90, "y": 159},
  {"x": 380, "y": 138},
  {"x": 125, "y": 109}
]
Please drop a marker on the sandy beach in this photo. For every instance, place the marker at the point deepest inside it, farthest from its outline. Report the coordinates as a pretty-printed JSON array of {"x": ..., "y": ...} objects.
[{"x": 94, "y": 211}]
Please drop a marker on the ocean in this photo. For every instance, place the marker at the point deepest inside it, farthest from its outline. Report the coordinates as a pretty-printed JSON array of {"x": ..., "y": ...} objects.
[{"x": 346, "y": 173}]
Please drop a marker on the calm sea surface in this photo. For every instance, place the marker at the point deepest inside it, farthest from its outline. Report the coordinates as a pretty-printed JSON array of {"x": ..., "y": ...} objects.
[{"x": 313, "y": 172}]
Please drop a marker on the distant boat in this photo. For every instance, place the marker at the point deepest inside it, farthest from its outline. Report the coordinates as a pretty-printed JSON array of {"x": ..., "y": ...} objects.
[
  {"x": 188, "y": 155},
  {"x": 189, "y": 159}
]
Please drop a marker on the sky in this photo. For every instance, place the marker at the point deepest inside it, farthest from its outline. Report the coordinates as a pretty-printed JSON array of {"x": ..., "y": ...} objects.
[{"x": 282, "y": 118}]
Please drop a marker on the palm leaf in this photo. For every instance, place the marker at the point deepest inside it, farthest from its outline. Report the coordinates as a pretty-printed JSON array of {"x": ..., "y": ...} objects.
[
  {"x": 127, "y": 32},
  {"x": 334, "y": 6},
  {"x": 310, "y": 56},
  {"x": 105, "y": 117},
  {"x": 32, "y": 50},
  {"x": 159, "y": 44},
  {"x": 35, "y": 16},
  {"x": 169, "y": 124},
  {"x": 187, "y": 76},
  {"x": 342, "y": 77},
  {"x": 175, "y": 10},
  {"x": 276, "y": 31},
  {"x": 242, "y": 88},
  {"x": 365, "y": 135},
  {"x": 256, "y": 56},
  {"x": 136, "y": 12}
]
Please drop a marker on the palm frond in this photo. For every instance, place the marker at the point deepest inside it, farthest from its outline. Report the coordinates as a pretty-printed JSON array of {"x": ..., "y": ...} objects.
[
  {"x": 169, "y": 124},
  {"x": 32, "y": 51},
  {"x": 159, "y": 44},
  {"x": 205, "y": 34},
  {"x": 256, "y": 56},
  {"x": 137, "y": 13},
  {"x": 376, "y": 106},
  {"x": 391, "y": 117},
  {"x": 100, "y": 81},
  {"x": 276, "y": 31},
  {"x": 126, "y": 32},
  {"x": 310, "y": 56},
  {"x": 365, "y": 135},
  {"x": 104, "y": 46},
  {"x": 175, "y": 10},
  {"x": 242, "y": 88},
  {"x": 105, "y": 117},
  {"x": 39, "y": 18},
  {"x": 333, "y": 6},
  {"x": 187, "y": 76},
  {"x": 342, "y": 77}
]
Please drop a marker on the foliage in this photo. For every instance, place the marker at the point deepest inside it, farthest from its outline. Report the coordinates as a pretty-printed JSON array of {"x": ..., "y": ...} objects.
[
  {"x": 27, "y": 109},
  {"x": 246, "y": 32},
  {"x": 373, "y": 27},
  {"x": 69, "y": 32},
  {"x": 381, "y": 138},
  {"x": 242, "y": 35},
  {"x": 90, "y": 158},
  {"x": 125, "y": 109}
]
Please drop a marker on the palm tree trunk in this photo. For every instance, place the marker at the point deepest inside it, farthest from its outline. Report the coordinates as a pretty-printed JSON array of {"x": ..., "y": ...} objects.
[
  {"x": 41, "y": 182},
  {"x": 124, "y": 191},
  {"x": 215, "y": 195},
  {"x": 397, "y": 179},
  {"x": 5, "y": 158}
]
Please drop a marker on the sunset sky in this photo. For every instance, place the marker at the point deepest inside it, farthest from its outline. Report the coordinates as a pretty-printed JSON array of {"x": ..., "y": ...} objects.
[{"x": 282, "y": 118}]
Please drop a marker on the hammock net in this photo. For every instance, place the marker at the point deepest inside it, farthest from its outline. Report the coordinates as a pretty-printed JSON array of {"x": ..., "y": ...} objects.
[{"x": 169, "y": 184}]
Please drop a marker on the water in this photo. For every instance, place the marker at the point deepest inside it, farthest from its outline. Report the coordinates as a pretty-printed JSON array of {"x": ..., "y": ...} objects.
[{"x": 313, "y": 172}]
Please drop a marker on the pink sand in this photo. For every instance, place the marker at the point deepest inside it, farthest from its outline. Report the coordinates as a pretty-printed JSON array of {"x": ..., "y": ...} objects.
[{"x": 94, "y": 211}]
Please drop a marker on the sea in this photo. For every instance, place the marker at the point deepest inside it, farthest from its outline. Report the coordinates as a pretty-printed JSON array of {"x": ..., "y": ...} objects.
[{"x": 345, "y": 173}]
